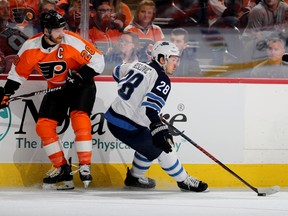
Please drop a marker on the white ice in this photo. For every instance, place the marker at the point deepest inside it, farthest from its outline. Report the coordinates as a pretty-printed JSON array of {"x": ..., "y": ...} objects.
[{"x": 121, "y": 202}]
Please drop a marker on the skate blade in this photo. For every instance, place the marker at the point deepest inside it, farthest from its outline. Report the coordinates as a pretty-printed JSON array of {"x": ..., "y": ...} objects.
[
  {"x": 189, "y": 191},
  {"x": 133, "y": 188},
  {"x": 86, "y": 184},
  {"x": 65, "y": 185}
]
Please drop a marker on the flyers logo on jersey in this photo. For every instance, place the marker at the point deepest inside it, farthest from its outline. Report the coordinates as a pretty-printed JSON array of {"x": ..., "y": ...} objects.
[{"x": 48, "y": 69}]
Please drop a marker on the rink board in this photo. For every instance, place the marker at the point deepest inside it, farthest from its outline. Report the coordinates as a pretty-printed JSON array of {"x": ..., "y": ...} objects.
[
  {"x": 243, "y": 123},
  {"x": 113, "y": 175}
]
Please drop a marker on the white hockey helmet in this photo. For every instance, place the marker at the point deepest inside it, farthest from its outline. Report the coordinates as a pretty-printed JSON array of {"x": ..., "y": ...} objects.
[{"x": 165, "y": 48}]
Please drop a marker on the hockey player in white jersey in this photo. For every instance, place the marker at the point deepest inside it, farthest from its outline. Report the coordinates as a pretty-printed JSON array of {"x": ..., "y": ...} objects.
[{"x": 134, "y": 118}]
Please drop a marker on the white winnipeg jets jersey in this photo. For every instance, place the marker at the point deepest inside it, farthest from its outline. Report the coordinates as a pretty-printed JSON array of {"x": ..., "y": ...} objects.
[{"x": 142, "y": 93}]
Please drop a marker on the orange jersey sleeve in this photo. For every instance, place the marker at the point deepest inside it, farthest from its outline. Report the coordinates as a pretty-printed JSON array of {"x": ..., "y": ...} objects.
[{"x": 55, "y": 62}]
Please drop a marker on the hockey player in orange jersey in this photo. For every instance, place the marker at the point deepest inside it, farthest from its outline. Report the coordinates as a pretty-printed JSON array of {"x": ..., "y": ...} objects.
[{"x": 64, "y": 59}]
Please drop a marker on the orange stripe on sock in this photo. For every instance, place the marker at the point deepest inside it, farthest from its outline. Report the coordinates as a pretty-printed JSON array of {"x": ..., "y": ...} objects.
[
  {"x": 84, "y": 157},
  {"x": 57, "y": 159}
]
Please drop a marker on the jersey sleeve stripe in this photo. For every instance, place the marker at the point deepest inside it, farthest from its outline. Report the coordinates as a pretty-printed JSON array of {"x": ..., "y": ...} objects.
[
  {"x": 156, "y": 97},
  {"x": 151, "y": 105}
]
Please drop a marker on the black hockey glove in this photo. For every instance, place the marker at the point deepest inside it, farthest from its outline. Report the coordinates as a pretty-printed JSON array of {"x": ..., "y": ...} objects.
[
  {"x": 161, "y": 137},
  {"x": 84, "y": 76},
  {"x": 3, "y": 98},
  {"x": 74, "y": 79},
  {"x": 6, "y": 92}
]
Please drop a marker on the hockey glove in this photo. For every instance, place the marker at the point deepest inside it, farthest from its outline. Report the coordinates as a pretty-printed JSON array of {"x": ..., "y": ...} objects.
[
  {"x": 161, "y": 137},
  {"x": 74, "y": 79},
  {"x": 3, "y": 99}
]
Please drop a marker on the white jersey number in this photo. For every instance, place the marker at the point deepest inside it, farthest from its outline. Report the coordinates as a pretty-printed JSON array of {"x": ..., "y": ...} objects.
[{"x": 163, "y": 87}]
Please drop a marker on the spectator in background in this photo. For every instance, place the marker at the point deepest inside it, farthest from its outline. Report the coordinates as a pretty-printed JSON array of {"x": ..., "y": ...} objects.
[
  {"x": 215, "y": 10},
  {"x": 265, "y": 20},
  {"x": 125, "y": 52},
  {"x": 11, "y": 38},
  {"x": 122, "y": 9},
  {"x": 73, "y": 16},
  {"x": 143, "y": 26},
  {"x": 2, "y": 62},
  {"x": 235, "y": 15},
  {"x": 188, "y": 12},
  {"x": 119, "y": 10},
  {"x": 63, "y": 7},
  {"x": 23, "y": 12},
  {"x": 188, "y": 65},
  {"x": 272, "y": 67},
  {"x": 106, "y": 30},
  {"x": 34, "y": 26}
]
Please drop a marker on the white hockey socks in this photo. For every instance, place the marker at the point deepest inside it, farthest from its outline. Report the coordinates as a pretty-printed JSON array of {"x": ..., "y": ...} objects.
[
  {"x": 172, "y": 166},
  {"x": 140, "y": 165}
]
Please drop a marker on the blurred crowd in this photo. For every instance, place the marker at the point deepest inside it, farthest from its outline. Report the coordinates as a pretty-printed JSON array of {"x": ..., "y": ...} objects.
[{"x": 238, "y": 34}]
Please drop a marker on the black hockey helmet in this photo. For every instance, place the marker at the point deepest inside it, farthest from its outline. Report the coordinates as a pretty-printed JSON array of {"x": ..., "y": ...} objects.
[{"x": 51, "y": 20}]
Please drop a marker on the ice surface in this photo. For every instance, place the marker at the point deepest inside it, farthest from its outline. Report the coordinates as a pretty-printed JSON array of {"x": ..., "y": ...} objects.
[{"x": 123, "y": 202}]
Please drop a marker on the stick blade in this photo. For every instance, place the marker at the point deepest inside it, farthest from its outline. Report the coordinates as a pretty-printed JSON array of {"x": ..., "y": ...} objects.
[{"x": 268, "y": 191}]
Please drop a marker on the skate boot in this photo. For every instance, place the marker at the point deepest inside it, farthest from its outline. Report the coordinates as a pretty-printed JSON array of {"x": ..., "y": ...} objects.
[
  {"x": 84, "y": 173},
  {"x": 142, "y": 183},
  {"x": 59, "y": 179},
  {"x": 192, "y": 184}
]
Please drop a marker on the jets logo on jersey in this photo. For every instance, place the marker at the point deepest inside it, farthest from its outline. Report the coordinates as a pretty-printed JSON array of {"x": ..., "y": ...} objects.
[
  {"x": 21, "y": 14},
  {"x": 48, "y": 69},
  {"x": 5, "y": 122}
]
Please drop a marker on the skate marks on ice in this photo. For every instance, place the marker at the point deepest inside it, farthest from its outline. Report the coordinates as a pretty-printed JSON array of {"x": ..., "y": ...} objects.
[{"x": 153, "y": 202}]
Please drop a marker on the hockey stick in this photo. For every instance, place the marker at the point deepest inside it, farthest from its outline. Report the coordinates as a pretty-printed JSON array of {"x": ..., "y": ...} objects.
[
  {"x": 34, "y": 93},
  {"x": 259, "y": 191}
]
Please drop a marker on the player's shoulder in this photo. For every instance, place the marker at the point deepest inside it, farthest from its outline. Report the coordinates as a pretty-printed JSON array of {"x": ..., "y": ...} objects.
[
  {"x": 33, "y": 42},
  {"x": 38, "y": 35},
  {"x": 72, "y": 36},
  {"x": 75, "y": 40},
  {"x": 161, "y": 75}
]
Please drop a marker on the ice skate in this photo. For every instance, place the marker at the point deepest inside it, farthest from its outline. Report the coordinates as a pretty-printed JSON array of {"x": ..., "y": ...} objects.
[
  {"x": 59, "y": 179},
  {"x": 84, "y": 173},
  {"x": 192, "y": 184},
  {"x": 142, "y": 183}
]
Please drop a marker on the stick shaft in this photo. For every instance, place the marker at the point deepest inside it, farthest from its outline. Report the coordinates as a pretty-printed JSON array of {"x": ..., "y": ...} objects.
[
  {"x": 210, "y": 156},
  {"x": 34, "y": 93}
]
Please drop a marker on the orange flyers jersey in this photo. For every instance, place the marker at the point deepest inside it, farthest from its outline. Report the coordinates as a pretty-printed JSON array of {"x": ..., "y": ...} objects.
[
  {"x": 110, "y": 36},
  {"x": 23, "y": 11},
  {"x": 154, "y": 33},
  {"x": 55, "y": 62}
]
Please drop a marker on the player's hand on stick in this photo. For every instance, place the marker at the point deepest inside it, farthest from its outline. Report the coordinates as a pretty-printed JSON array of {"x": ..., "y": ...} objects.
[
  {"x": 74, "y": 79},
  {"x": 161, "y": 137},
  {"x": 4, "y": 99}
]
